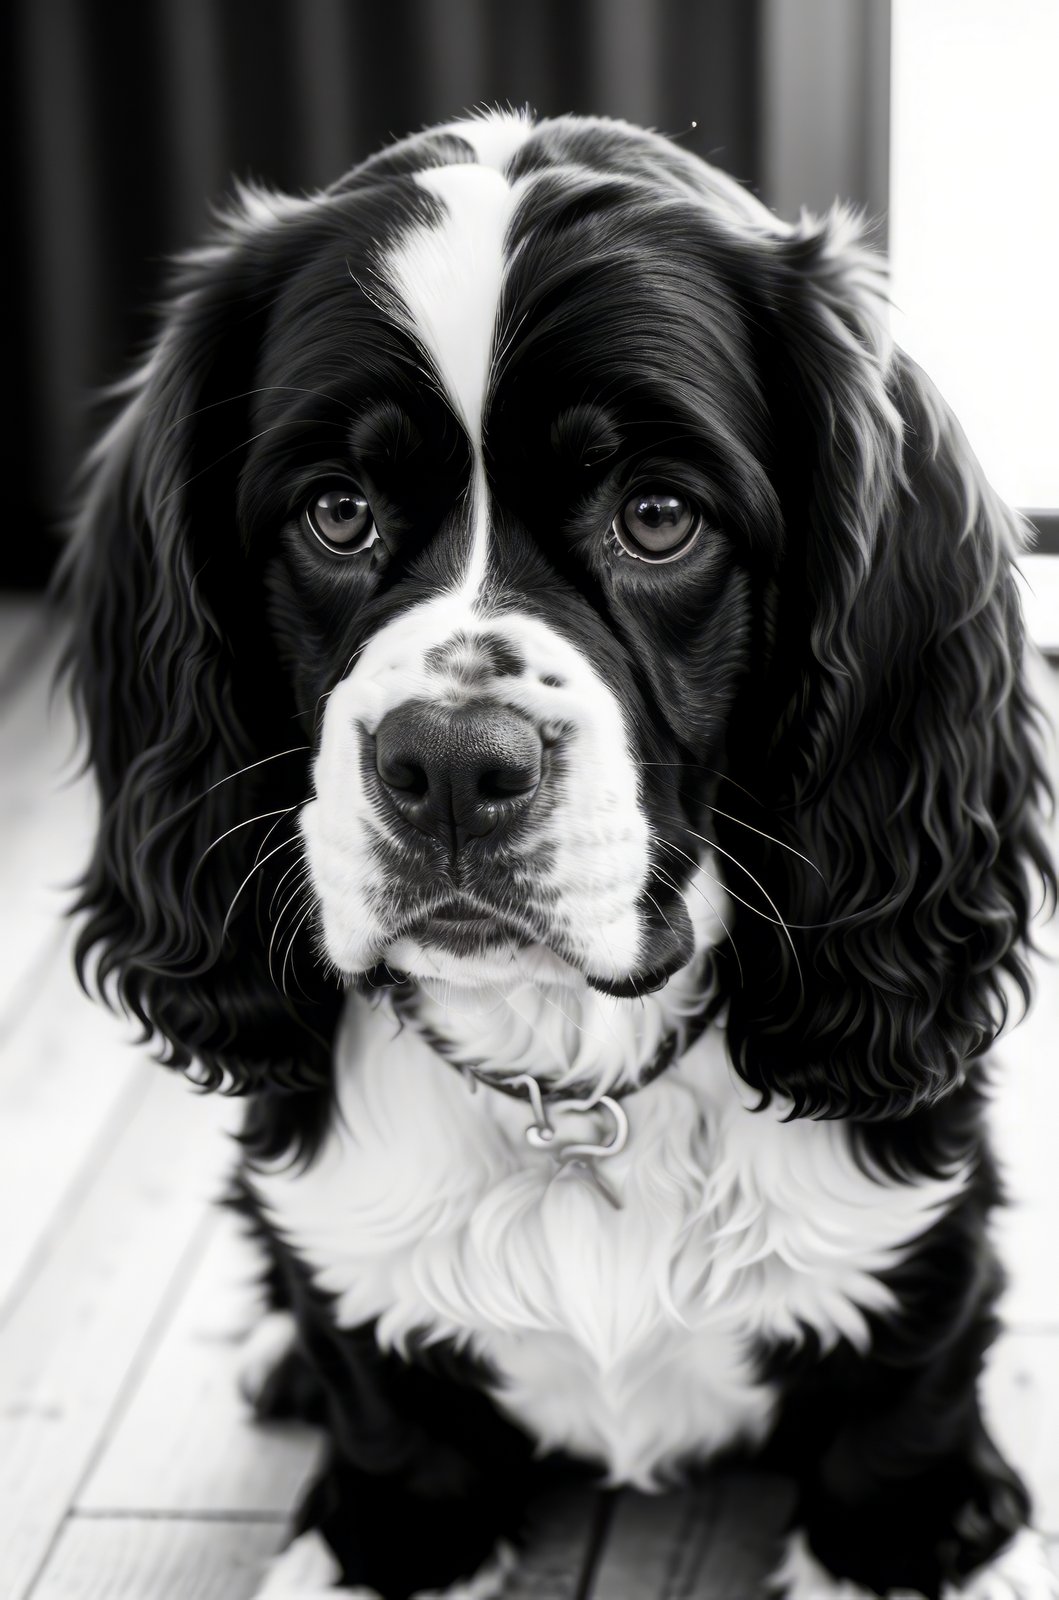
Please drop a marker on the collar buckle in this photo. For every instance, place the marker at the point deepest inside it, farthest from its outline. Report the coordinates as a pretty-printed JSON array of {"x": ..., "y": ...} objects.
[{"x": 582, "y": 1155}]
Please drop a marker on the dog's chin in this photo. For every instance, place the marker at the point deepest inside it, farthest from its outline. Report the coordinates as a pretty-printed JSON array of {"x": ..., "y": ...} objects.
[
  {"x": 500, "y": 960},
  {"x": 498, "y": 967}
]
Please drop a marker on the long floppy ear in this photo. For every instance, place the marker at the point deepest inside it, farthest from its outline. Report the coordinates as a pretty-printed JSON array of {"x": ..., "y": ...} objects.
[
  {"x": 892, "y": 739},
  {"x": 184, "y": 712}
]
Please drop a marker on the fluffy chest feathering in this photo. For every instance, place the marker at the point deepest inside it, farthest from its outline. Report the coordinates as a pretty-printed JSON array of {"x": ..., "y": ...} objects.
[{"x": 625, "y": 1336}]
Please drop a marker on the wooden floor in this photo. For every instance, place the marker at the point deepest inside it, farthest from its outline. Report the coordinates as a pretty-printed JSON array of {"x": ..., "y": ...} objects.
[{"x": 128, "y": 1467}]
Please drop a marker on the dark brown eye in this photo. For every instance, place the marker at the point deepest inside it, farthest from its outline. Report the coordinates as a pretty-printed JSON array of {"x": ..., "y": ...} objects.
[
  {"x": 340, "y": 518},
  {"x": 655, "y": 525}
]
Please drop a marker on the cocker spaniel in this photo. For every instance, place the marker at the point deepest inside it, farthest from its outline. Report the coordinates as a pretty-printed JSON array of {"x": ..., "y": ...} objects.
[{"x": 553, "y": 670}]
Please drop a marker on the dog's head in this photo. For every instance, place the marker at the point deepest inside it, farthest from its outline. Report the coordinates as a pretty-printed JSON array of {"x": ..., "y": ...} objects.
[{"x": 506, "y": 552}]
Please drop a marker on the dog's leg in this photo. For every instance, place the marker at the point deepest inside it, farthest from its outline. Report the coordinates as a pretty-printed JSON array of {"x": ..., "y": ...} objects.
[
  {"x": 424, "y": 1485},
  {"x": 275, "y": 1378},
  {"x": 910, "y": 1500},
  {"x": 376, "y": 1535},
  {"x": 902, "y": 1492}
]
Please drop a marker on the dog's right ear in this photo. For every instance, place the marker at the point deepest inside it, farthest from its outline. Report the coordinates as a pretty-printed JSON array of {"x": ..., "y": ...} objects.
[{"x": 181, "y": 703}]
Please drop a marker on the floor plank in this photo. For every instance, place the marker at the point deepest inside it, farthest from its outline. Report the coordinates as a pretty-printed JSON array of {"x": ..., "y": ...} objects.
[
  {"x": 185, "y": 1442},
  {"x": 68, "y": 1083},
  {"x": 67, "y": 1353},
  {"x": 559, "y": 1538},
  {"x": 128, "y": 1559},
  {"x": 717, "y": 1542}
]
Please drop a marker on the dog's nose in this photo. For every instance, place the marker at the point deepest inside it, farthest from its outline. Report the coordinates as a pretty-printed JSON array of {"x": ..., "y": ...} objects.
[{"x": 458, "y": 772}]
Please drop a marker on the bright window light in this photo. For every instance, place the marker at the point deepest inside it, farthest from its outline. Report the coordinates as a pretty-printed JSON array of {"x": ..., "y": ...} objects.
[{"x": 974, "y": 224}]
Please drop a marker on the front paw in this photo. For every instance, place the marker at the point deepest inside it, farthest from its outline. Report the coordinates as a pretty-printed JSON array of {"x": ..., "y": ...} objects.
[
  {"x": 1020, "y": 1571},
  {"x": 398, "y": 1541},
  {"x": 275, "y": 1379},
  {"x": 308, "y": 1570},
  {"x": 488, "y": 1583},
  {"x": 800, "y": 1576}
]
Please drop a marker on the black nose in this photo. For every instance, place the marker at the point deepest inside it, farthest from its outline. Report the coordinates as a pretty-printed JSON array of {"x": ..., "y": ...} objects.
[{"x": 458, "y": 772}]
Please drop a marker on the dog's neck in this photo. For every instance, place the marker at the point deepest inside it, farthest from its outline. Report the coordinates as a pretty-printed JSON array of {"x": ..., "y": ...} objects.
[
  {"x": 570, "y": 1039},
  {"x": 572, "y": 1053}
]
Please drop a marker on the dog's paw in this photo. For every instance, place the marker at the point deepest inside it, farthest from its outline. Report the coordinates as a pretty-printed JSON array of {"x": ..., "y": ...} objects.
[
  {"x": 275, "y": 1379},
  {"x": 800, "y": 1576},
  {"x": 268, "y": 1344},
  {"x": 307, "y": 1570},
  {"x": 488, "y": 1583},
  {"x": 1021, "y": 1571}
]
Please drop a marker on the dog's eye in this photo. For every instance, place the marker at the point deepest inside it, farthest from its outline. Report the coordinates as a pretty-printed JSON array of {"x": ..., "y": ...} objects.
[
  {"x": 340, "y": 518},
  {"x": 655, "y": 525}
]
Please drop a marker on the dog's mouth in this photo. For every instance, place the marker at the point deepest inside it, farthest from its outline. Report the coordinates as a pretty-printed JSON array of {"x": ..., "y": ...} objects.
[
  {"x": 472, "y": 929},
  {"x": 464, "y": 927}
]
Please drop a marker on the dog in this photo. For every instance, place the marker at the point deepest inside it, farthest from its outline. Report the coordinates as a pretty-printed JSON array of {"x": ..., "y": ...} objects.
[{"x": 553, "y": 670}]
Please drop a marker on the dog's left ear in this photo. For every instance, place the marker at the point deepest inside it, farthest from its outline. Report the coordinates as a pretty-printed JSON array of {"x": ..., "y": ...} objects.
[
  {"x": 899, "y": 752},
  {"x": 183, "y": 707}
]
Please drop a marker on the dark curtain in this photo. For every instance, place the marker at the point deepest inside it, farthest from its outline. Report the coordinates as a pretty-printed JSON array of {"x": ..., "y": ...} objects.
[{"x": 129, "y": 116}]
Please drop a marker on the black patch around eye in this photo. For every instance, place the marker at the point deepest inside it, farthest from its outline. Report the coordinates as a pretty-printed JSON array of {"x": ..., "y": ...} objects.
[{"x": 584, "y": 435}]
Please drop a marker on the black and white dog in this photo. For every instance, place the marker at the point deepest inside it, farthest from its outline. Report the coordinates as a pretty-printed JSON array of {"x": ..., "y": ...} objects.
[{"x": 553, "y": 671}]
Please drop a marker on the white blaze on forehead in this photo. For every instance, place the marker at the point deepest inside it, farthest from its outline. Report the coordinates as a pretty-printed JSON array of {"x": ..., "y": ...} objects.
[
  {"x": 448, "y": 275},
  {"x": 494, "y": 138}
]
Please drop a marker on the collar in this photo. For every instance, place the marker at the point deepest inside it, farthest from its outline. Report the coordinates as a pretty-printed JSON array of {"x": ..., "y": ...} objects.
[{"x": 548, "y": 1104}]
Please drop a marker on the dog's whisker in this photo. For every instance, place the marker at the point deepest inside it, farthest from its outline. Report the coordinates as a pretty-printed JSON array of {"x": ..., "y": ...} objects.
[
  {"x": 730, "y": 816},
  {"x": 287, "y": 843},
  {"x": 770, "y": 836},
  {"x": 293, "y": 749},
  {"x": 174, "y": 816},
  {"x": 295, "y": 894},
  {"x": 290, "y": 950},
  {"x": 289, "y": 422},
  {"x": 671, "y": 883},
  {"x": 798, "y": 927},
  {"x": 661, "y": 913},
  {"x": 294, "y": 866},
  {"x": 257, "y": 857},
  {"x": 778, "y": 921},
  {"x": 282, "y": 811},
  {"x": 715, "y": 772},
  {"x": 248, "y": 394}
]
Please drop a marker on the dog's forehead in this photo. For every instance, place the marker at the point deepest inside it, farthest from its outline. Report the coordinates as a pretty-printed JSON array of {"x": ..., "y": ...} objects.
[
  {"x": 445, "y": 272},
  {"x": 515, "y": 211},
  {"x": 447, "y": 275}
]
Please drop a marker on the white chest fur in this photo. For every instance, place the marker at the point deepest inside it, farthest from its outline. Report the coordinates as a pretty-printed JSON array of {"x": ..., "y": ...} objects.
[{"x": 621, "y": 1335}]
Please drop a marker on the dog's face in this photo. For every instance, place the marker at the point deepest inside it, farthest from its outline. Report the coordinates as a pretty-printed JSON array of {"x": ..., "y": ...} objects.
[
  {"x": 509, "y": 479},
  {"x": 581, "y": 516}
]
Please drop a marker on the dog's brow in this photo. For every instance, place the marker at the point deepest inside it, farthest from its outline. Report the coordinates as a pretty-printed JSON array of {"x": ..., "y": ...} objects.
[{"x": 384, "y": 432}]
